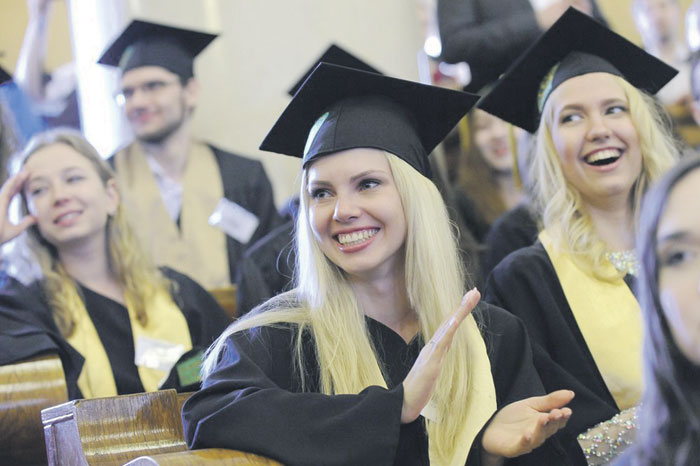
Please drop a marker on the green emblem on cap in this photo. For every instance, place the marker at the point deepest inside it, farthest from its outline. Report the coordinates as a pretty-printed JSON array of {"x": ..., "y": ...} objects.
[{"x": 314, "y": 132}]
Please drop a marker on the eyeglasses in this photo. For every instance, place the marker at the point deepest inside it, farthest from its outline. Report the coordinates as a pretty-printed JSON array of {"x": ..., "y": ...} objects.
[{"x": 149, "y": 88}]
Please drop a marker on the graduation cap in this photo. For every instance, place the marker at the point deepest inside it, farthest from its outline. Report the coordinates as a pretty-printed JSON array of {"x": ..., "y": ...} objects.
[
  {"x": 335, "y": 55},
  {"x": 340, "y": 108},
  {"x": 143, "y": 43},
  {"x": 575, "y": 45}
]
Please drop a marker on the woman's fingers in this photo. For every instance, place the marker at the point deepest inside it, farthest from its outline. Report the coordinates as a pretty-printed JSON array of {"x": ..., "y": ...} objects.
[
  {"x": 420, "y": 381},
  {"x": 12, "y": 186},
  {"x": 522, "y": 426},
  {"x": 551, "y": 401},
  {"x": 447, "y": 329}
]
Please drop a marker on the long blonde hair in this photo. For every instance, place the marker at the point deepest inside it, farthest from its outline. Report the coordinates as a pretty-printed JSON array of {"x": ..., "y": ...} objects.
[
  {"x": 560, "y": 205},
  {"x": 129, "y": 262},
  {"x": 323, "y": 302}
]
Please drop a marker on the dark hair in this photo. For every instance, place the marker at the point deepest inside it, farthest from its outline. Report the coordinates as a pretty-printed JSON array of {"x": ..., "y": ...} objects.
[{"x": 669, "y": 432}]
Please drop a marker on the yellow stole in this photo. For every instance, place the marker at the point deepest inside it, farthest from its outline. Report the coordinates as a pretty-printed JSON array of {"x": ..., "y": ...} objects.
[
  {"x": 609, "y": 317},
  {"x": 165, "y": 322},
  {"x": 481, "y": 399},
  {"x": 196, "y": 247}
]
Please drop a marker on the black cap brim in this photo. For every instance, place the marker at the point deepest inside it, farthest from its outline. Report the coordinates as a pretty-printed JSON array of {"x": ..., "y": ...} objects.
[
  {"x": 514, "y": 97},
  {"x": 193, "y": 42},
  {"x": 335, "y": 55},
  {"x": 4, "y": 76},
  {"x": 434, "y": 110}
]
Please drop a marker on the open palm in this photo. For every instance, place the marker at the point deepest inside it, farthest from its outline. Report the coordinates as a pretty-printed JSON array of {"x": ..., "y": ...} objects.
[{"x": 520, "y": 427}]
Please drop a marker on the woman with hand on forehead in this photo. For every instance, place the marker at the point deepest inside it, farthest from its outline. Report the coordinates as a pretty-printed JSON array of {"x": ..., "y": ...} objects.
[
  {"x": 374, "y": 358},
  {"x": 600, "y": 142},
  {"x": 119, "y": 323}
]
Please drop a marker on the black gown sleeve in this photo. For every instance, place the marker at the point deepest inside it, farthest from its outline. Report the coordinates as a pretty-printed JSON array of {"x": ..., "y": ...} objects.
[
  {"x": 487, "y": 34},
  {"x": 515, "y": 378},
  {"x": 27, "y": 329},
  {"x": 253, "y": 402},
  {"x": 511, "y": 231},
  {"x": 526, "y": 284}
]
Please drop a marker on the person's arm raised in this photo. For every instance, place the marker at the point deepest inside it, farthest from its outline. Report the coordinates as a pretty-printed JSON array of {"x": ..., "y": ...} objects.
[
  {"x": 12, "y": 186},
  {"x": 420, "y": 381}
]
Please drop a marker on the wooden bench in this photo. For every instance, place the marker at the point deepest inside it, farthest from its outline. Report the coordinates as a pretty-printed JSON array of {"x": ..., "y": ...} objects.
[
  {"x": 25, "y": 389},
  {"x": 144, "y": 427}
]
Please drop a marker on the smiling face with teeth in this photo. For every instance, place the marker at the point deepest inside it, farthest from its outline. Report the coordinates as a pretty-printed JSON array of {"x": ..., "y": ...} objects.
[
  {"x": 356, "y": 213},
  {"x": 595, "y": 138},
  {"x": 67, "y": 196}
]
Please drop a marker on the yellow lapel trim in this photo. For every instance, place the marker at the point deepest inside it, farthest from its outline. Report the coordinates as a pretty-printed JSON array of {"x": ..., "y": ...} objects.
[
  {"x": 609, "y": 318},
  {"x": 165, "y": 322},
  {"x": 196, "y": 248}
]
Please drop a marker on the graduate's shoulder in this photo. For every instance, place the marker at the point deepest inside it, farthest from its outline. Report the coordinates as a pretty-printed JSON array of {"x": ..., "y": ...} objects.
[
  {"x": 230, "y": 161},
  {"x": 529, "y": 262}
]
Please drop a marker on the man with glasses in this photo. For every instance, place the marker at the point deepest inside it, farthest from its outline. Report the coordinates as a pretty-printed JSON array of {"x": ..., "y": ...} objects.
[{"x": 194, "y": 206}]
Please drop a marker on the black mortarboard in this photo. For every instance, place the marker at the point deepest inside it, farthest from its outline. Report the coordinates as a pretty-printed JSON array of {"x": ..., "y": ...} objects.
[
  {"x": 334, "y": 55},
  {"x": 576, "y": 44},
  {"x": 340, "y": 108},
  {"x": 143, "y": 43},
  {"x": 4, "y": 76}
]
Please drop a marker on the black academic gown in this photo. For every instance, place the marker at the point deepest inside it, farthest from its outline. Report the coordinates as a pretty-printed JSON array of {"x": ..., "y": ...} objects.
[
  {"x": 245, "y": 183},
  {"x": 511, "y": 231},
  {"x": 28, "y": 329},
  {"x": 526, "y": 284},
  {"x": 488, "y": 34},
  {"x": 266, "y": 268},
  {"x": 253, "y": 401}
]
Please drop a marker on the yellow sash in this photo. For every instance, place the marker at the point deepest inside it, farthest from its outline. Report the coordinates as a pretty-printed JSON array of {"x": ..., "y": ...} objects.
[
  {"x": 165, "y": 322},
  {"x": 609, "y": 317},
  {"x": 481, "y": 400},
  {"x": 196, "y": 248}
]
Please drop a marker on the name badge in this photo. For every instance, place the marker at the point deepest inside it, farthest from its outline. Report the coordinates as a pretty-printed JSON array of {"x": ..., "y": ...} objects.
[
  {"x": 157, "y": 354},
  {"x": 234, "y": 220}
]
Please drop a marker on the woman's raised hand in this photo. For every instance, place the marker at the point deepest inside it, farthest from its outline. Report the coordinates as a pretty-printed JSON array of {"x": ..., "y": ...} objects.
[
  {"x": 520, "y": 427},
  {"x": 12, "y": 186},
  {"x": 420, "y": 381}
]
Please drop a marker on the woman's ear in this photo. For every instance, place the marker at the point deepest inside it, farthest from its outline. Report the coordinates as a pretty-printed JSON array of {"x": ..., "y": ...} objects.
[{"x": 113, "y": 196}]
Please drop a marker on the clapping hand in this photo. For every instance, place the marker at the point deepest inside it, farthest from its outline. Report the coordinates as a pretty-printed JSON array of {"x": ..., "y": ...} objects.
[
  {"x": 522, "y": 426},
  {"x": 420, "y": 381}
]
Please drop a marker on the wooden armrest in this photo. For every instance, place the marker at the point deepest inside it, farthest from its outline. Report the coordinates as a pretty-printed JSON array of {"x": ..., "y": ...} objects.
[
  {"x": 25, "y": 389},
  {"x": 113, "y": 430},
  {"x": 218, "y": 456}
]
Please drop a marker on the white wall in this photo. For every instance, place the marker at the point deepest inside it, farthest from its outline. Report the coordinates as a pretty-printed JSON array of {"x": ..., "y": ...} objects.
[{"x": 264, "y": 47}]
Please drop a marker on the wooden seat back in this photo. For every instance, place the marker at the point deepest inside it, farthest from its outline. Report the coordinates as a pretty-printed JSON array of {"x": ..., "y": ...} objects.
[
  {"x": 26, "y": 388},
  {"x": 226, "y": 297},
  {"x": 113, "y": 430},
  {"x": 141, "y": 429}
]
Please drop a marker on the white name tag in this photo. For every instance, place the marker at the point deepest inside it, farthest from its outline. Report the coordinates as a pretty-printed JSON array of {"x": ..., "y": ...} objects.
[
  {"x": 234, "y": 220},
  {"x": 157, "y": 354}
]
